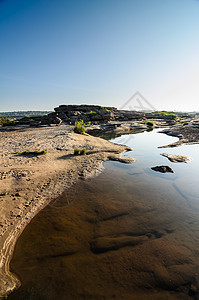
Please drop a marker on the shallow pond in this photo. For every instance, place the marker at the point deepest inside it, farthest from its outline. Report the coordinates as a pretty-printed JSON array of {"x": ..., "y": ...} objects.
[{"x": 130, "y": 233}]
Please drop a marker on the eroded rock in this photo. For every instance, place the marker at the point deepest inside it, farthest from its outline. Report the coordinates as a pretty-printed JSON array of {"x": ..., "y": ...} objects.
[{"x": 176, "y": 158}]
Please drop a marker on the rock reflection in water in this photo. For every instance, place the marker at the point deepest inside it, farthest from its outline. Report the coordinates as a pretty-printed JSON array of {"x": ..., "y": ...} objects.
[{"x": 112, "y": 237}]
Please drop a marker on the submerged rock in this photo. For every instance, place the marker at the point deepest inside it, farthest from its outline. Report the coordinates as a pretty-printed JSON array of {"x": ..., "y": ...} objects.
[
  {"x": 176, "y": 158},
  {"x": 163, "y": 169},
  {"x": 126, "y": 160}
]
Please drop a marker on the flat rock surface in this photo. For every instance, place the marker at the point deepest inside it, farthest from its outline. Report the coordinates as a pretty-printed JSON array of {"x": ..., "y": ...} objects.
[
  {"x": 126, "y": 160},
  {"x": 176, "y": 158}
]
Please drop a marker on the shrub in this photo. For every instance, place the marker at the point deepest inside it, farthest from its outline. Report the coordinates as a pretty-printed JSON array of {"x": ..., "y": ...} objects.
[
  {"x": 76, "y": 151},
  {"x": 80, "y": 127},
  {"x": 7, "y": 122},
  {"x": 34, "y": 152},
  {"x": 83, "y": 151}
]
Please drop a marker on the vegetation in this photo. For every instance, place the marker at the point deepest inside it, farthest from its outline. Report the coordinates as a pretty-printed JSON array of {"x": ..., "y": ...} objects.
[
  {"x": 168, "y": 114},
  {"x": 77, "y": 151},
  {"x": 105, "y": 108},
  {"x": 21, "y": 114},
  {"x": 80, "y": 127},
  {"x": 173, "y": 116},
  {"x": 150, "y": 123},
  {"x": 83, "y": 151},
  {"x": 6, "y": 122},
  {"x": 90, "y": 113},
  {"x": 31, "y": 152}
]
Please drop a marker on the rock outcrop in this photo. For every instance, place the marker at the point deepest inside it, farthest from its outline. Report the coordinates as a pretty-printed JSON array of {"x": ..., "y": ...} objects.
[{"x": 95, "y": 114}]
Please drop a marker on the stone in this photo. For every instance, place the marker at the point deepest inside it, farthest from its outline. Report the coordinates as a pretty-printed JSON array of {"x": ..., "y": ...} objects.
[
  {"x": 126, "y": 160},
  {"x": 163, "y": 169},
  {"x": 176, "y": 158}
]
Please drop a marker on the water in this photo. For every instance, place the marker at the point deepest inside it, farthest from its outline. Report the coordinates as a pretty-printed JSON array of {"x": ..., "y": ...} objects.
[
  {"x": 130, "y": 233},
  {"x": 145, "y": 150}
]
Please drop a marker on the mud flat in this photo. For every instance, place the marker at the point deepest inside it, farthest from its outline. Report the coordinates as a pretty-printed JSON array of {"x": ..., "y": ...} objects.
[{"x": 29, "y": 182}]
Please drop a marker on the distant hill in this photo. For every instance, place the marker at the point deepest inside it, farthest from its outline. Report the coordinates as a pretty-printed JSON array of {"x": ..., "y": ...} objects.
[{"x": 21, "y": 114}]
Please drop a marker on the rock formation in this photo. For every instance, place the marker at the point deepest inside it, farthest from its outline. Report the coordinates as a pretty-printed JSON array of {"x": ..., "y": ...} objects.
[{"x": 163, "y": 169}]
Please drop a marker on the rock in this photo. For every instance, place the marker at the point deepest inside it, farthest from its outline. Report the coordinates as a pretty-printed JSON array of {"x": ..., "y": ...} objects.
[
  {"x": 88, "y": 113},
  {"x": 126, "y": 160},
  {"x": 193, "y": 290},
  {"x": 176, "y": 158},
  {"x": 163, "y": 169}
]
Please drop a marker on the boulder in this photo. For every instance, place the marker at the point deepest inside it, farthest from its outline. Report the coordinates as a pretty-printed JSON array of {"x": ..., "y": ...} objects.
[{"x": 163, "y": 169}]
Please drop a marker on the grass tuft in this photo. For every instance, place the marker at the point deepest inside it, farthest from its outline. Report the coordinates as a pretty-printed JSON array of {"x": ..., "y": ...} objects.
[
  {"x": 76, "y": 151},
  {"x": 90, "y": 113},
  {"x": 80, "y": 127},
  {"x": 31, "y": 152},
  {"x": 83, "y": 151}
]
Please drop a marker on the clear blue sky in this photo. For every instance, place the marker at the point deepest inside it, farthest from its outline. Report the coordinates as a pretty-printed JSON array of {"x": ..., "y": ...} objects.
[{"x": 98, "y": 52}]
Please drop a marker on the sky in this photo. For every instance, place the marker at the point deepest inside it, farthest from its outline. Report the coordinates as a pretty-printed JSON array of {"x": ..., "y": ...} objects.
[{"x": 99, "y": 52}]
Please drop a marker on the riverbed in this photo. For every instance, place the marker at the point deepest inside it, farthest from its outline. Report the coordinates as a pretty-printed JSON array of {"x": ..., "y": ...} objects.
[{"x": 129, "y": 233}]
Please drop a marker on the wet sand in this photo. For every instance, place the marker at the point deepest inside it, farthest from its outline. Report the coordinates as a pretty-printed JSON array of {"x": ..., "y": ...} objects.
[{"x": 111, "y": 238}]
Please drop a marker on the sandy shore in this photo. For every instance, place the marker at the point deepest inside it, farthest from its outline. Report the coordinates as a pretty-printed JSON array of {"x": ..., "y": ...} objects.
[{"x": 27, "y": 184}]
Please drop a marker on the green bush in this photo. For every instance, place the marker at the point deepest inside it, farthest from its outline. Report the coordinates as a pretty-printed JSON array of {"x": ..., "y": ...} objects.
[
  {"x": 76, "y": 151},
  {"x": 83, "y": 151},
  {"x": 80, "y": 127},
  {"x": 7, "y": 122}
]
